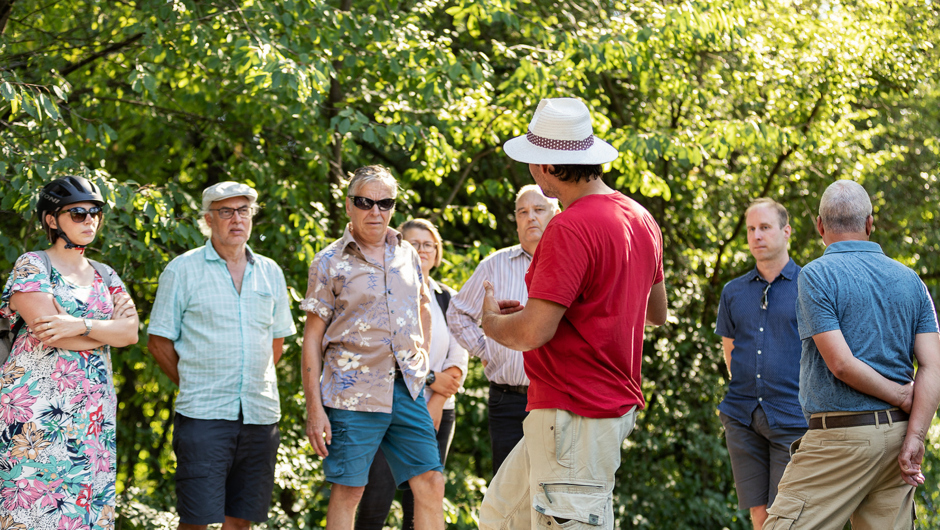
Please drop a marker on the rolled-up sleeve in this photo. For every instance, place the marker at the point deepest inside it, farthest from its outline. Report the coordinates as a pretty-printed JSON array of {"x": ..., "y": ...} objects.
[
  {"x": 166, "y": 315},
  {"x": 283, "y": 320},
  {"x": 320, "y": 299}
]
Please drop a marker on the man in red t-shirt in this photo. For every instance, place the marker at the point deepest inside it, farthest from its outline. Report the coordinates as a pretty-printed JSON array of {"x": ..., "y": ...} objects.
[{"x": 595, "y": 282}]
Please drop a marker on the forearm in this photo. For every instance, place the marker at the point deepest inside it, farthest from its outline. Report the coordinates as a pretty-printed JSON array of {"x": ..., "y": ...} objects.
[
  {"x": 311, "y": 363},
  {"x": 164, "y": 352},
  {"x": 466, "y": 331},
  {"x": 277, "y": 348},
  {"x": 855, "y": 373},
  {"x": 117, "y": 333},
  {"x": 514, "y": 331},
  {"x": 926, "y": 400}
]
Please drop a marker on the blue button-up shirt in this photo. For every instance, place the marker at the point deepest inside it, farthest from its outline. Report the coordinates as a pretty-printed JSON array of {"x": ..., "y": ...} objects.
[
  {"x": 765, "y": 361},
  {"x": 878, "y": 304},
  {"x": 223, "y": 337}
]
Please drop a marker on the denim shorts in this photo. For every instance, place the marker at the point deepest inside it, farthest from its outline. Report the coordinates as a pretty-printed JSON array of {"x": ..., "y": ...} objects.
[
  {"x": 406, "y": 436},
  {"x": 224, "y": 468}
]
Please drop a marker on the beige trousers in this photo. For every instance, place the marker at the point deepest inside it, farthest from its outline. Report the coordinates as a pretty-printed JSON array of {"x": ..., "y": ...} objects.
[
  {"x": 842, "y": 474},
  {"x": 560, "y": 475}
]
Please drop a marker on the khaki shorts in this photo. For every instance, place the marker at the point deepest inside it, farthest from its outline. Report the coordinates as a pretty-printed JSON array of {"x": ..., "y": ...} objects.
[
  {"x": 560, "y": 475},
  {"x": 842, "y": 474}
]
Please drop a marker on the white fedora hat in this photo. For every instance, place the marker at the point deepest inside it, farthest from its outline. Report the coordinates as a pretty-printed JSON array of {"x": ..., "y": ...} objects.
[{"x": 560, "y": 133}]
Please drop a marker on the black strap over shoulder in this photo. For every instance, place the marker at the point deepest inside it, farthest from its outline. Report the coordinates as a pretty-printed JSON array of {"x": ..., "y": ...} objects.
[{"x": 443, "y": 300}]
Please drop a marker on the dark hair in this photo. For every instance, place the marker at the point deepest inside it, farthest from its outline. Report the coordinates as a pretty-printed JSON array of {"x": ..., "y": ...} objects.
[{"x": 575, "y": 172}]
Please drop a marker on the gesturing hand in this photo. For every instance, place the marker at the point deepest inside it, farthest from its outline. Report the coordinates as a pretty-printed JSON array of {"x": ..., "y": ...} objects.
[{"x": 501, "y": 307}]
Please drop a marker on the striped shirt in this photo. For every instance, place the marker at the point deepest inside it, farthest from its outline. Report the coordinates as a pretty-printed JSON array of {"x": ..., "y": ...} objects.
[
  {"x": 505, "y": 269},
  {"x": 223, "y": 337}
]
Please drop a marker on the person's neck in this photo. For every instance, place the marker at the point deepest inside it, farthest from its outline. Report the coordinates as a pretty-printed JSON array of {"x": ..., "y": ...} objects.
[
  {"x": 232, "y": 254},
  {"x": 770, "y": 269},
  {"x": 67, "y": 259},
  {"x": 846, "y": 236},
  {"x": 568, "y": 192}
]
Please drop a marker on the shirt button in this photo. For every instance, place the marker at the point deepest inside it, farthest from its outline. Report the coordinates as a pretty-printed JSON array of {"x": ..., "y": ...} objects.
[
  {"x": 760, "y": 399},
  {"x": 758, "y": 376},
  {"x": 762, "y": 330},
  {"x": 758, "y": 352}
]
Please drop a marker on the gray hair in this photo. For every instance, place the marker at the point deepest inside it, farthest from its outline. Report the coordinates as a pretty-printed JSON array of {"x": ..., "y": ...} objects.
[
  {"x": 367, "y": 174},
  {"x": 845, "y": 207},
  {"x": 535, "y": 188}
]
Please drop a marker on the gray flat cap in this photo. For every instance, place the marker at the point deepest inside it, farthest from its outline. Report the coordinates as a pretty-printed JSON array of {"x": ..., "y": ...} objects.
[{"x": 225, "y": 190}]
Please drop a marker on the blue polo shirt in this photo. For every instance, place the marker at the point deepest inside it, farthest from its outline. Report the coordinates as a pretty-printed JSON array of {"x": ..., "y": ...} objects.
[
  {"x": 879, "y": 306},
  {"x": 765, "y": 361}
]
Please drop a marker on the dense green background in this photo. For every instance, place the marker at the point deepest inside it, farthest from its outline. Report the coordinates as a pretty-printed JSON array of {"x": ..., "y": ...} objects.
[{"x": 712, "y": 103}]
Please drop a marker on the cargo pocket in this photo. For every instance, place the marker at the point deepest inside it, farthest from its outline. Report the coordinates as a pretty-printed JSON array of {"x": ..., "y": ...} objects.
[
  {"x": 571, "y": 505},
  {"x": 334, "y": 465},
  {"x": 788, "y": 510},
  {"x": 191, "y": 470}
]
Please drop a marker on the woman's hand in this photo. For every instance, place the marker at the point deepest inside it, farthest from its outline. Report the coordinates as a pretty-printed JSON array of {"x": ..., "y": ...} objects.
[
  {"x": 445, "y": 384},
  {"x": 50, "y": 328},
  {"x": 123, "y": 307}
]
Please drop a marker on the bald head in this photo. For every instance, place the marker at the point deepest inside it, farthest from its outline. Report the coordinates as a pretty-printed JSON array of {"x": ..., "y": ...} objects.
[{"x": 845, "y": 207}]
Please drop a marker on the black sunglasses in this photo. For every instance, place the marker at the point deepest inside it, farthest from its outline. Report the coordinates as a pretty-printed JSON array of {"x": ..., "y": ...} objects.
[
  {"x": 763, "y": 298},
  {"x": 79, "y": 214},
  {"x": 365, "y": 203}
]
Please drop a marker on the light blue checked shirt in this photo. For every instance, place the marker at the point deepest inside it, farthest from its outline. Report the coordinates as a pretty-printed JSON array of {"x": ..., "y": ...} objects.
[{"x": 224, "y": 338}]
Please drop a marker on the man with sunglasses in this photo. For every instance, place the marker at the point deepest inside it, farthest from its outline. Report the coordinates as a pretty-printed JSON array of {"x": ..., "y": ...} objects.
[
  {"x": 217, "y": 330},
  {"x": 367, "y": 332},
  {"x": 757, "y": 322}
]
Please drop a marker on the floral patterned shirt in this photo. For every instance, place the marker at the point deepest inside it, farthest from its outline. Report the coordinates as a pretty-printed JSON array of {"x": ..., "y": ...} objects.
[{"x": 373, "y": 315}]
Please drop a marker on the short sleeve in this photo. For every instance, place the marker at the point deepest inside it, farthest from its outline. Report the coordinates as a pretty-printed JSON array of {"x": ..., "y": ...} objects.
[
  {"x": 561, "y": 266},
  {"x": 927, "y": 318},
  {"x": 167, "y": 312},
  {"x": 29, "y": 275},
  {"x": 724, "y": 326},
  {"x": 114, "y": 282},
  {"x": 815, "y": 310},
  {"x": 320, "y": 299},
  {"x": 283, "y": 320}
]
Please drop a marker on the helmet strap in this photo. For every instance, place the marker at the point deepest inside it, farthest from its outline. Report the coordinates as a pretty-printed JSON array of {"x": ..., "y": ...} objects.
[{"x": 68, "y": 242}]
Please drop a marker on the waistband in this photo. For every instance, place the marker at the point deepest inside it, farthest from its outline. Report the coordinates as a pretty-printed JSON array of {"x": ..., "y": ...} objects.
[
  {"x": 515, "y": 389},
  {"x": 824, "y": 421}
]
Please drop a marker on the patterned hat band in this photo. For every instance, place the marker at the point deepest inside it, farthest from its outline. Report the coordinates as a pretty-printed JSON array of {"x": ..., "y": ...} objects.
[{"x": 560, "y": 145}]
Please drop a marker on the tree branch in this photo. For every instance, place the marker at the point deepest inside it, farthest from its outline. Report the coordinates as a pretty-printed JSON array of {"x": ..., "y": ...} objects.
[
  {"x": 6, "y": 8},
  {"x": 463, "y": 178},
  {"x": 68, "y": 69}
]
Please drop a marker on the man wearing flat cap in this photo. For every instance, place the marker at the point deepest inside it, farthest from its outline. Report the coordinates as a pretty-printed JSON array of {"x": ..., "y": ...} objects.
[
  {"x": 595, "y": 281},
  {"x": 217, "y": 329}
]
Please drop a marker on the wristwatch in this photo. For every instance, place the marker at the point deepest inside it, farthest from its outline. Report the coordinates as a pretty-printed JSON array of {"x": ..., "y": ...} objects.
[
  {"x": 87, "y": 327},
  {"x": 429, "y": 380}
]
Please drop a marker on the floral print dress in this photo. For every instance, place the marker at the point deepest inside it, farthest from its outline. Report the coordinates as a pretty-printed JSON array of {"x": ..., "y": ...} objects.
[{"x": 57, "y": 414}]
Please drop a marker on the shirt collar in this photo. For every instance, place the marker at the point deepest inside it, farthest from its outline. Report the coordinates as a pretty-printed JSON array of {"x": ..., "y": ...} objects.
[
  {"x": 434, "y": 286},
  {"x": 516, "y": 250},
  {"x": 789, "y": 272},
  {"x": 853, "y": 246},
  {"x": 212, "y": 255},
  {"x": 392, "y": 237}
]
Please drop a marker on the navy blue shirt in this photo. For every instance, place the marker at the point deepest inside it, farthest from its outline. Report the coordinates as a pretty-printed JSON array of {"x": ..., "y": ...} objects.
[
  {"x": 765, "y": 361},
  {"x": 878, "y": 304}
]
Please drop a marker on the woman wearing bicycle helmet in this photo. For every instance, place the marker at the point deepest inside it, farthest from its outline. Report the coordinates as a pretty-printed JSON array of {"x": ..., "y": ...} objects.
[{"x": 57, "y": 400}]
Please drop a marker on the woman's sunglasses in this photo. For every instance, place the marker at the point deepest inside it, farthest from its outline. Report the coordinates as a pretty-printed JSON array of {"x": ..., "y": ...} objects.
[
  {"x": 365, "y": 203},
  {"x": 79, "y": 214}
]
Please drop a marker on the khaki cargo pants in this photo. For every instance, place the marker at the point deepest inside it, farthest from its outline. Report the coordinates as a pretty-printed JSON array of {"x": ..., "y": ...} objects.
[
  {"x": 560, "y": 475},
  {"x": 848, "y": 473}
]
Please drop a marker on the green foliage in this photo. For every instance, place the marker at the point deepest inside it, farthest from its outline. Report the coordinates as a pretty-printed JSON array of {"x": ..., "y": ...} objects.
[{"x": 713, "y": 103}]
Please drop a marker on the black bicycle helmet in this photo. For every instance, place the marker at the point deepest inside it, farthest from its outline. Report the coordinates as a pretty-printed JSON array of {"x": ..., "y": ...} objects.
[{"x": 62, "y": 192}]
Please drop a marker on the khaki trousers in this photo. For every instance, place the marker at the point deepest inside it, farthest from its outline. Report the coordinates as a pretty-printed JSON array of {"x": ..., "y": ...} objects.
[
  {"x": 842, "y": 474},
  {"x": 560, "y": 475}
]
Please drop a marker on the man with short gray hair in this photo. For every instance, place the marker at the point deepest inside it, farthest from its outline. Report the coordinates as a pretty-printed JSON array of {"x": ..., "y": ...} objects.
[
  {"x": 217, "y": 329},
  {"x": 863, "y": 319}
]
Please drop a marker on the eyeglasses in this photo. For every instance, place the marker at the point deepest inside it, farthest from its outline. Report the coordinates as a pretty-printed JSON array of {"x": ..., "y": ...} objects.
[
  {"x": 79, "y": 214},
  {"x": 763, "y": 298},
  {"x": 365, "y": 203},
  {"x": 427, "y": 246},
  {"x": 245, "y": 212}
]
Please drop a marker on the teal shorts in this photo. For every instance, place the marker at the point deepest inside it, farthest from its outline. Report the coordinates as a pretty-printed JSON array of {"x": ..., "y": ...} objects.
[{"x": 406, "y": 436}]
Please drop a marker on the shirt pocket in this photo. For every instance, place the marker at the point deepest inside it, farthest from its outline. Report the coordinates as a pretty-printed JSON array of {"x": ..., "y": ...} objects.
[{"x": 262, "y": 309}]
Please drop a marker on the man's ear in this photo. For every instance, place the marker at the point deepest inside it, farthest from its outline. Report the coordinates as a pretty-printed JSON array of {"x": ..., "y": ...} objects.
[
  {"x": 819, "y": 226},
  {"x": 869, "y": 225}
]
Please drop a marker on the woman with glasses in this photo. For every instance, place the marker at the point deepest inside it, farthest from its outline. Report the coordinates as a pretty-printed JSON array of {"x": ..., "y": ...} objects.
[
  {"x": 448, "y": 371},
  {"x": 57, "y": 400}
]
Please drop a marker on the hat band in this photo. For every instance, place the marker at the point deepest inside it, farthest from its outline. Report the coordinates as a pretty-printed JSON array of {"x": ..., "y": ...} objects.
[{"x": 560, "y": 145}]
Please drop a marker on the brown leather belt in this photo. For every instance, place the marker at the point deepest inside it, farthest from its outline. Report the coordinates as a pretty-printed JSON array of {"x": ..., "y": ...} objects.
[
  {"x": 858, "y": 420},
  {"x": 515, "y": 389}
]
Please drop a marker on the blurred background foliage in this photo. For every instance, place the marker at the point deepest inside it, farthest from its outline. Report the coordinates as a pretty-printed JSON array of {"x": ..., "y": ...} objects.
[{"x": 712, "y": 103}]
